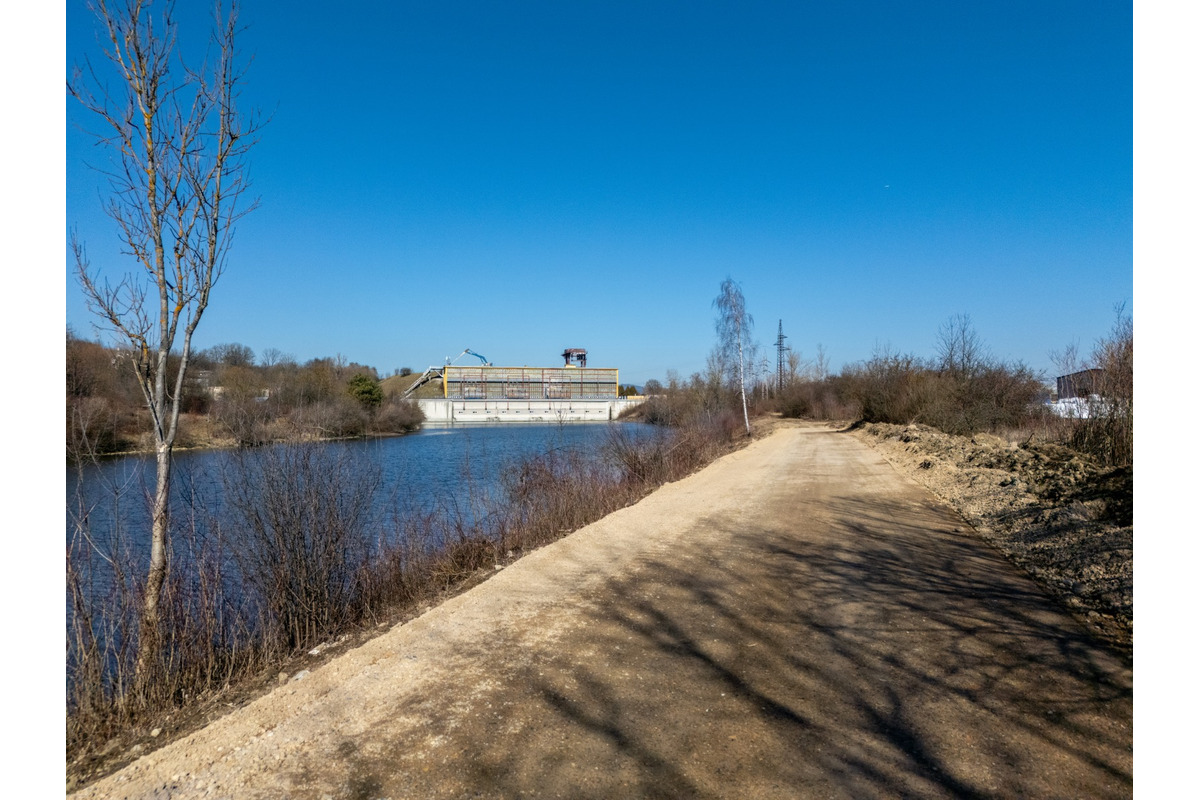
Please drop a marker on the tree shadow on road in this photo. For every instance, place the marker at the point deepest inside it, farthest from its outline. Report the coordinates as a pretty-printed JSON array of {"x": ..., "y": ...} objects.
[{"x": 900, "y": 658}]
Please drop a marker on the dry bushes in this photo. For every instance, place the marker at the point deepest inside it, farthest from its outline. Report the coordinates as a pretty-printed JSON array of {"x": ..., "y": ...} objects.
[
  {"x": 301, "y": 512},
  {"x": 460, "y": 559},
  {"x": 559, "y": 492},
  {"x": 102, "y": 400},
  {"x": 330, "y": 419},
  {"x": 93, "y": 426},
  {"x": 553, "y": 493},
  {"x": 902, "y": 389},
  {"x": 205, "y": 642},
  {"x": 816, "y": 399},
  {"x": 245, "y": 420},
  {"x": 966, "y": 391},
  {"x": 674, "y": 407},
  {"x": 1107, "y": 431},
  {"x": 398, "y": 416},
  {"x": 963, "y": 390}
]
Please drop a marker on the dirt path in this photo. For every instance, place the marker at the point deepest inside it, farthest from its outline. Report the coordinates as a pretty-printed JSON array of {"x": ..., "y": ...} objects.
[{"x": 796, "y": 620}]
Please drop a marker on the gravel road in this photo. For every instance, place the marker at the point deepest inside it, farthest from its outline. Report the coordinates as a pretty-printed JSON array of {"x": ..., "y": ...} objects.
[{"x": 796, "y": 620}]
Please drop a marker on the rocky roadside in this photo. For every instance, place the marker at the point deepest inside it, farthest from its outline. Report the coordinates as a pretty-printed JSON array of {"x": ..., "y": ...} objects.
[{"x": 1056, "y": 514}]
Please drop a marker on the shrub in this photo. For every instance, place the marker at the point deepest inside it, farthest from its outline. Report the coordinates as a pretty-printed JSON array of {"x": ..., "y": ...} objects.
[
  {"x": 682, "y": 406},
  {"x": 366, "y": 390},
  {"x": 816, "y": 399},
  {"x": 1107, "y": 431},
  {"x": 398, "y": 416},
  {"x": 336, "y": 418},
  {"x": 92, "y": 427},
  {"x": 303, "y": 511},
  {"x": 890, "y": 387},
  {"x": 460, "y": 559},
  {"x": 900, "y": 389},
  {"x": 244, "y": 418}
]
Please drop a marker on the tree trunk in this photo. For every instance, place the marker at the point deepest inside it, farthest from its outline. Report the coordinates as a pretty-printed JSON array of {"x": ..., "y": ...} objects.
[
  {"x": 742, "y": 380},
  {"x": 150, "y": 627}
]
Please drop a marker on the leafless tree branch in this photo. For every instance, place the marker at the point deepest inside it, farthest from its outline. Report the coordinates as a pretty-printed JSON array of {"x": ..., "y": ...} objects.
[{"x": 176, "y": 170}]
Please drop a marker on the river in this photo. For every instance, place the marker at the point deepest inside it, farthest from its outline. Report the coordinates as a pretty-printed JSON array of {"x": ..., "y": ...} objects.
[{"x": 451, "y": 470}]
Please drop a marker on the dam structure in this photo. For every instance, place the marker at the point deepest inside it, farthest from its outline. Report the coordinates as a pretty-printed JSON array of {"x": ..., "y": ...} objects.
[{"x": 491, "y": 394}]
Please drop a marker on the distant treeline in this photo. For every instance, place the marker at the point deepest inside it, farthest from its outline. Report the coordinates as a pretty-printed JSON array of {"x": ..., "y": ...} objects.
[
  {"x": 230, "y": 396},
  {"x": 963, "y": 389}
]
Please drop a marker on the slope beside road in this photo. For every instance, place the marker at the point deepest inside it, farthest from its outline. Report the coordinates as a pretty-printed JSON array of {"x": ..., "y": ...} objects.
[{"x": 795, "y": 620}]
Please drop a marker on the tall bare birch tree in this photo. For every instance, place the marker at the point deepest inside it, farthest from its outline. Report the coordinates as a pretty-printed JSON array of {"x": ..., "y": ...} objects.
[
  {"x": 174, "y": 143},
  {"x": 734, "y": 326}
]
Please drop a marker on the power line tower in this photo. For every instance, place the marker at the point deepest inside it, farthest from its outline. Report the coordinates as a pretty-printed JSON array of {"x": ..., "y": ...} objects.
[{"x": 780, "y": 348}]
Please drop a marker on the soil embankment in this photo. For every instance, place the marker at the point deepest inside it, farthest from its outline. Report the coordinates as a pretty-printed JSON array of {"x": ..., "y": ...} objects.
[
  {"x": 795, "y": 620},
  {"x": 1062, "y": 518}
]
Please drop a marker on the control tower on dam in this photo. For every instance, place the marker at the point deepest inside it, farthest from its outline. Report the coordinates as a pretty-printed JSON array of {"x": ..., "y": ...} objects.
[{"x": 486, "y": 393}]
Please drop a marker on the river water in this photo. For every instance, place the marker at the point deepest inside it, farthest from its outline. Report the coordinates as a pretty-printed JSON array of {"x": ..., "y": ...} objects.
[{"x": 435, "y": 470}]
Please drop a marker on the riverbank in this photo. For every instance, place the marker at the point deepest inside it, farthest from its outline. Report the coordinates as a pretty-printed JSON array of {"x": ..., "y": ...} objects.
[{"x": 199, "y": 433}]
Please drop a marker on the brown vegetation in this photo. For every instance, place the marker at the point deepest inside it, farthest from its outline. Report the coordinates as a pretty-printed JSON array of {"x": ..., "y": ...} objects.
[
  {"x": 229, "y": 401},
  {"x": 965, "y": 391},
  {"x": 1107, "y": 432}
]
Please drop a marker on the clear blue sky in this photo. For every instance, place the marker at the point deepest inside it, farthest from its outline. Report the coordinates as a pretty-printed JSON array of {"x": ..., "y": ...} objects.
[{"x": 522, "y": 177}]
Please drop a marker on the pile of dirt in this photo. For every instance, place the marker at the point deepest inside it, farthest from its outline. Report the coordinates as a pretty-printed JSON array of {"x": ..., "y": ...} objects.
[{"x": 1064, "y": 519}]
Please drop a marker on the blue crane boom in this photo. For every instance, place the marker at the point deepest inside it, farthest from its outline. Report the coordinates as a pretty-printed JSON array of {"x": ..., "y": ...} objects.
[{"x": 467, "y": 352}]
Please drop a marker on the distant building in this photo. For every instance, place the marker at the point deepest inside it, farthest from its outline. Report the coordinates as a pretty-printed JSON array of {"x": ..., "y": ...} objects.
[
  {"x": 1080, "y": 384},
  {"x": 529, "y": 383}
]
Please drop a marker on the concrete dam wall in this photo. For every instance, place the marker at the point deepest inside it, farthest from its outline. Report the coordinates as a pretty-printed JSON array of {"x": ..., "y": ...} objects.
[{"x": 449, "y": 411}]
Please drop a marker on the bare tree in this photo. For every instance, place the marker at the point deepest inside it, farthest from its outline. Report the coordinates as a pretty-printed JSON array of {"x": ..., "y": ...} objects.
[
  {"x": 960, "y": 351},
  {"x": 1066, "y": 360},
  {"x": 733, "y": 334},
  {"x": 1110, "y": 430},
  {"x": 231, "y": 354},
  {"x": 176, "y": 172},
  {"x": 271, "y": 356},
  {"x": 796, "y": 366},
  {"x": 821, "y": 365}
]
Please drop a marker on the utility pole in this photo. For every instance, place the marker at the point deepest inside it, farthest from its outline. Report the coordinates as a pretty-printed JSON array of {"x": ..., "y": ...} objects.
[{"x": 780, "y": 349}]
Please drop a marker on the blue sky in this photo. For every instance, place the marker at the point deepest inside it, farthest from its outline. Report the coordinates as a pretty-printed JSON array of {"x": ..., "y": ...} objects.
[{"x": 521, "y": 177}]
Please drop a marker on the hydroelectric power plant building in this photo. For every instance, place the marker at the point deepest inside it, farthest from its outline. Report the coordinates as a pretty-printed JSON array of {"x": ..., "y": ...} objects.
[{"x": 486, "y": 393}]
